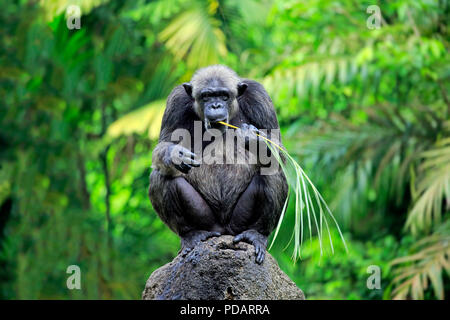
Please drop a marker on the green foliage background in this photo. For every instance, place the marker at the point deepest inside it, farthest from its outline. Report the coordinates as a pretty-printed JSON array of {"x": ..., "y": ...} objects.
[{"x": 365, "y": 111}]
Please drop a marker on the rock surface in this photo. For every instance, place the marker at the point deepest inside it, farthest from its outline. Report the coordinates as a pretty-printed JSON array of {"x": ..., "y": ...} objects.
[{"x": 217, "y": 269}]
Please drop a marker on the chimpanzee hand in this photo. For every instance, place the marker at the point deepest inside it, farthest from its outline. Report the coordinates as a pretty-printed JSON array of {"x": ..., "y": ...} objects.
[
  {"x": 257, "y": 240},
  {"x": 181, "y": 158},
  {"x": 191, "y": 239},
  {"x": 248, "y": 132}
]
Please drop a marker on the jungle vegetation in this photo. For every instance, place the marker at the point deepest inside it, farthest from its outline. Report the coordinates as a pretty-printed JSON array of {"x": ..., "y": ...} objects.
[{"x": 364, "y": 110}]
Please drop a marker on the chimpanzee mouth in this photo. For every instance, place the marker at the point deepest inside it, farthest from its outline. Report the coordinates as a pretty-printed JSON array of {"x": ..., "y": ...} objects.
[{"x": 215, "y": 124}]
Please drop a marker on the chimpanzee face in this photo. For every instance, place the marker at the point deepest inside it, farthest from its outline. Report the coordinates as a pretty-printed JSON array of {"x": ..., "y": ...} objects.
[{"x": 214, "y": 103}]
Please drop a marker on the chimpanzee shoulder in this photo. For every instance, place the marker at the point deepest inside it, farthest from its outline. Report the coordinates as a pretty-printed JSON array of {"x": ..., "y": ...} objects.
[
  {"x": 179, "y": 113},
  {"x": 257, "y": 106}
]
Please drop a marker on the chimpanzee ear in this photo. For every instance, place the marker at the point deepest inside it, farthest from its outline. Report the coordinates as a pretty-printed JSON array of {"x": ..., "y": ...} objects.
[
  {"x": 241, "y": 87},
  {"x": 188, "y": 87}
]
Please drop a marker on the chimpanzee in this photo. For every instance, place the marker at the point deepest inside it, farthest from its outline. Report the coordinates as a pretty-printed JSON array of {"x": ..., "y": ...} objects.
[{"x": 198, "y": 200}]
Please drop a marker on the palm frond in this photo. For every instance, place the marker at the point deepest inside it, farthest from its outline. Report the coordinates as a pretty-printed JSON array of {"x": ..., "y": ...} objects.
[
  {"x": 310, "y": 206},
  {"x": 432, "y": 188},
  {"x": 430, "y": 258},
  {"x": 393, "y": 152},
  {"x": 195, "y": 34},
  {"x": 300, "y": 188},
  {"x": 138, "y": 121},
  {"x": 309, "y": 75}
]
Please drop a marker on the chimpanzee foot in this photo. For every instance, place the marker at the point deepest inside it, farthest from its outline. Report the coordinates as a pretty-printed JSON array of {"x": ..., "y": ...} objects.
[
  {"x": 257, "y": 240},
  {"x": 191, "y": 239}
]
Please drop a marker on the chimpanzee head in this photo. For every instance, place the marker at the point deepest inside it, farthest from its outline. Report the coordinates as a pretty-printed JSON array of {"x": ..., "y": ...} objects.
[{"x": 215, "y": 90}]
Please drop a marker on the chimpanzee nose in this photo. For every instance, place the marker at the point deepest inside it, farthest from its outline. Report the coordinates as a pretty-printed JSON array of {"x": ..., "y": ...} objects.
[{"x": 216, "y": 112}]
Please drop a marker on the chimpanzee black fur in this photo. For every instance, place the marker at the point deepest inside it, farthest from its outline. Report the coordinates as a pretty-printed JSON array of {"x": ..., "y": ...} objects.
[{"x": 198, "y": 200}]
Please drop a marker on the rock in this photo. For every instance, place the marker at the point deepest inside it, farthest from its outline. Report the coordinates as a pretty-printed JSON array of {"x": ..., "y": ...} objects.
[{"x": 217, "y": 269}]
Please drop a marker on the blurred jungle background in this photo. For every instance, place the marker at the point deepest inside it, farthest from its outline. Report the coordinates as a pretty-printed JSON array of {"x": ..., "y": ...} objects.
[{"x": 364, "y": 110}]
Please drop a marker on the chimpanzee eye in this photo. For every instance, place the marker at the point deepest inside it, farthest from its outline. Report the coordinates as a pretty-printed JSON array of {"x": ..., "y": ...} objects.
[
  {"x": 224, "y": 98},
  {"x": 205, "y": 98}
]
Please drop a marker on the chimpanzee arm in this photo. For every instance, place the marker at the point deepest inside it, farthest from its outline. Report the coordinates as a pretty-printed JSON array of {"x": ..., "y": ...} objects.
[
  {"x": 258, "y": 109},
  {"x": 257, "y": 106},
  {"x": 267, "y": 193},
  {"x": 179, "y": 114}
]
